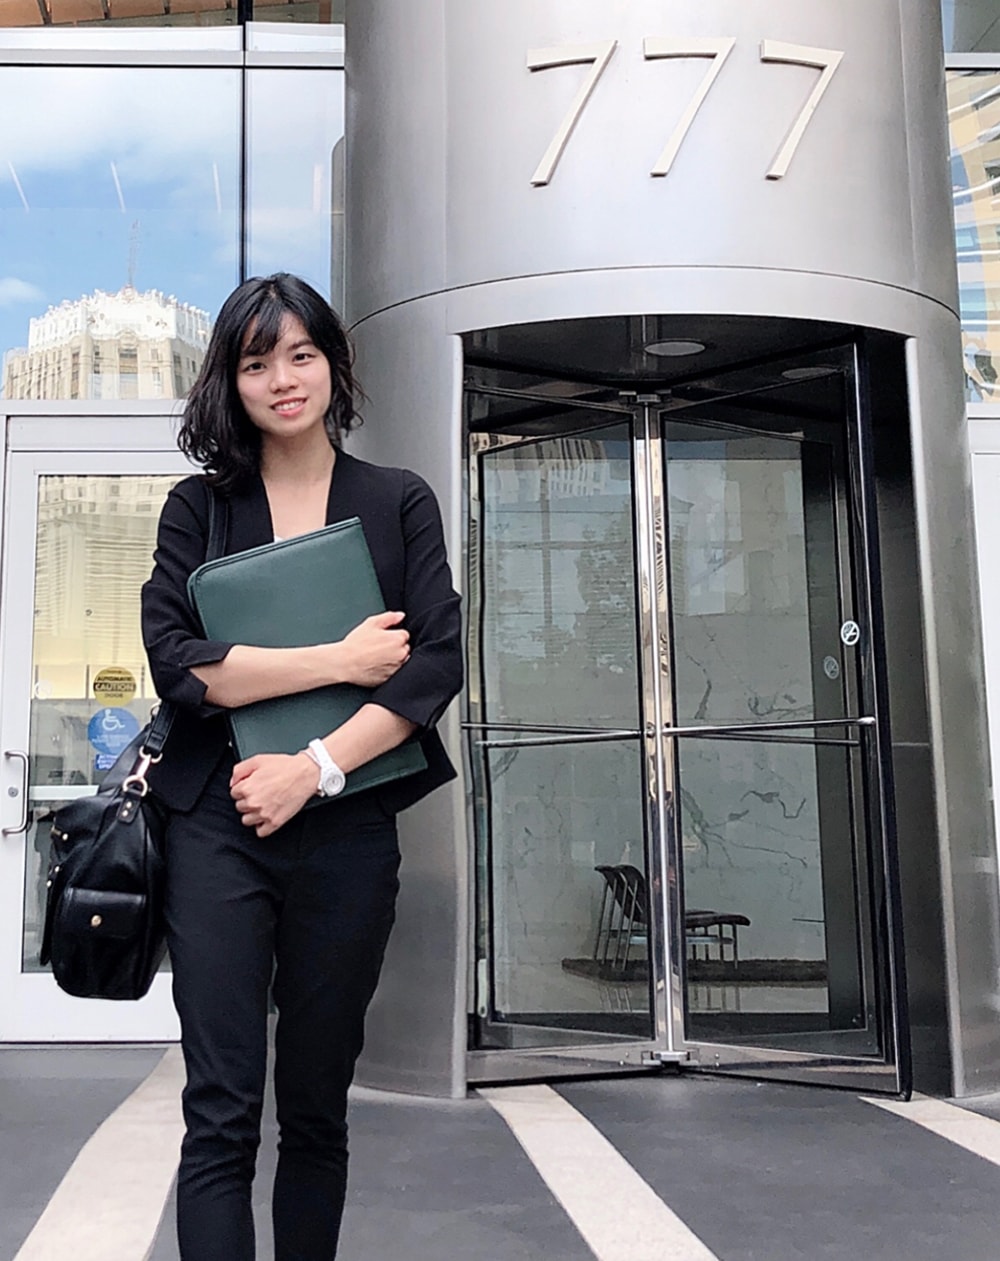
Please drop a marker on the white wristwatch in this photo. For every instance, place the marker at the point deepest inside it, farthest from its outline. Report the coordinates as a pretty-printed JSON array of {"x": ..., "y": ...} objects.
[{"x": 331, "y": 778}]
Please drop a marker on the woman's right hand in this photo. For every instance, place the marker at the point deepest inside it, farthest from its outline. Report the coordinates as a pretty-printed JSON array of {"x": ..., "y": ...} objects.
[{"x": 374, "y": 650}]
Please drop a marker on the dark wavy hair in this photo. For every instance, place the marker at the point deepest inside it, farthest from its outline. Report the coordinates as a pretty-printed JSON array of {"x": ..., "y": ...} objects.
[{"x": 216, "y": 431}]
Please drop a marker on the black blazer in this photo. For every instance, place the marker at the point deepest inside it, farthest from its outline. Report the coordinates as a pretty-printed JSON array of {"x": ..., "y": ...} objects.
[{"x": 402, "y": 524}]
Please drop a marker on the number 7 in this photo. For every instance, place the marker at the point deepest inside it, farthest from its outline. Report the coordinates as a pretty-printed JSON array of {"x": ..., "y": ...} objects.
[
  {"x": 825, "y": 59},
  {"x": 569, "y": 55},
  {"x": 655, "y": 47}
]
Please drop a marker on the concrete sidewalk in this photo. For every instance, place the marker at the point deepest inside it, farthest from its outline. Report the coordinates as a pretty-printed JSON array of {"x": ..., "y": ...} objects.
[{"x": 666, "y": 1168}]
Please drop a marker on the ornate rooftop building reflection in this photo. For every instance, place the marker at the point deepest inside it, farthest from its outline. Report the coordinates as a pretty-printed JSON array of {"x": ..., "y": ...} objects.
[{"x": 110, "y": 346}]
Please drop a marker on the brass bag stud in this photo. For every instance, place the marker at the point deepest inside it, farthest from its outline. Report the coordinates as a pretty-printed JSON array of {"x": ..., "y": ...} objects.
[{"x": 96, "y": 921}]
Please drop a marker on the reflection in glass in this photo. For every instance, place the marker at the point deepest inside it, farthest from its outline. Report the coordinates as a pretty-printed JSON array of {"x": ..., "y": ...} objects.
[
  {"x": 770, "y": 894},
  {"x": 974, "y": 118},
  {"x": 971, "y": 26},
  {"x": 117, "y": 13},
  {"x": 119, "y": 213},
  {"x": 173, "y": 13},
  {"x": 753, "y": 578},
  {"x": 110, "y": 346},
  {"x": 291, "y": 171},
  {"x": 91, "y": 692},
  {"x": 324, "y": 11},
  {"x": 558, "y": 581},
  {"x": 562, "y": 956}
]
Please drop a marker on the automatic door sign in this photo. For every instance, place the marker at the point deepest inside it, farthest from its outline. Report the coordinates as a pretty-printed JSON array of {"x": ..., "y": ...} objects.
[
  {"x": 850, "y": 633},
  {"x": 112, "y": 730},
  {"x": 114, "y": 685}
]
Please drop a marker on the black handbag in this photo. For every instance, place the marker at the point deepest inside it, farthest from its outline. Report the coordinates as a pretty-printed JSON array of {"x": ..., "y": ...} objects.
[
  {"x": 104, "y": 906},
  {"x": 104, "y": 931}
]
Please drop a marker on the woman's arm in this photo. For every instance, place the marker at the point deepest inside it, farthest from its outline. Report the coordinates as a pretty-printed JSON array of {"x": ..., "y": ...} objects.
[
  {"x": 172, "y": 636},
  {"x": 422, "y": 688},
  {"x": 206, "y": 675},
  {"x": 272, "y": 788},
  {"x": 368, "y": 656}
]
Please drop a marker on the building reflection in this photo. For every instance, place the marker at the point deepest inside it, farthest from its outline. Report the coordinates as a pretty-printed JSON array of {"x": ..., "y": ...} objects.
[
  {"x": 162, "y": 12},
  {"x": 110, "y": 346},
  {"x": 974, "y": 115}
]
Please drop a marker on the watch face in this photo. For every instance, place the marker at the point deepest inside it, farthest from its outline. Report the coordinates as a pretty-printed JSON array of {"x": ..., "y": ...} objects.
[{"x": 333, "y": 781}]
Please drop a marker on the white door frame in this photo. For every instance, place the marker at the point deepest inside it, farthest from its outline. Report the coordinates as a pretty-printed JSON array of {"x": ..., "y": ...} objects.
[{"x": 40, "y": 440}]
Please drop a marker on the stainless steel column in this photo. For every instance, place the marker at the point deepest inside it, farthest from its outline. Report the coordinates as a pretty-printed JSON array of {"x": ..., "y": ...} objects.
[{"x": 511, "y": 161}]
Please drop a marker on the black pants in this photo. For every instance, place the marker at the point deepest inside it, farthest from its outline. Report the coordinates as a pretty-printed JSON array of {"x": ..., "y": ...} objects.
[{"x": 312, "y": 905}]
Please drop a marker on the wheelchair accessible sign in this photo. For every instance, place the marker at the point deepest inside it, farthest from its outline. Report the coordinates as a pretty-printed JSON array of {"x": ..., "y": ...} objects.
[{"x": 110, "y": 731}]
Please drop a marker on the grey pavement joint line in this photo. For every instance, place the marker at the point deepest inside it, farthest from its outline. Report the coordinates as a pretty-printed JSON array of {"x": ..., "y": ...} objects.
[
  {"x": 109, "y": 1204},
  {"x": 977, "y": 1134},
  {"x": 619, "y": 1215}
]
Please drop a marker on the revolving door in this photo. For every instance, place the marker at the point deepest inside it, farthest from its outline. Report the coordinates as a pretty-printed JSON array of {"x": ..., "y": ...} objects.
[{"x": 677, "y": 728}]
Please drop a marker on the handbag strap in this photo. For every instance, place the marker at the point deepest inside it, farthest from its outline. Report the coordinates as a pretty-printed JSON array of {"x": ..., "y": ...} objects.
[{"x": 218, "y": 530}]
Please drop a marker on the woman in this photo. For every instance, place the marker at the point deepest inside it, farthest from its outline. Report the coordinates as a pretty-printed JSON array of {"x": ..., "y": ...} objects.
[{"x": 257, "y": 886}]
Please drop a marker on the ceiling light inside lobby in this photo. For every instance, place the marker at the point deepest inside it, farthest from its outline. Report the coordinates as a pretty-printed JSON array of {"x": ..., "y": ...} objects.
[
  {"x": 674, "y": 349},
  {"x": 812, "y": 373}
]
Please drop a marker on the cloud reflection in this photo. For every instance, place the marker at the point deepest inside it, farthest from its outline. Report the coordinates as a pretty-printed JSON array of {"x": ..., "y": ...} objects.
[
  {"x": 74, "y": 117},
  {"x": 13, "y": 291},
  {"x": 291, "y": 170}
]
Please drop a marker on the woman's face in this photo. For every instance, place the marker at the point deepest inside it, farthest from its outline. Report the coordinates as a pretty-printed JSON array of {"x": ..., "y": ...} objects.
[{"x": 286, "y": 392}]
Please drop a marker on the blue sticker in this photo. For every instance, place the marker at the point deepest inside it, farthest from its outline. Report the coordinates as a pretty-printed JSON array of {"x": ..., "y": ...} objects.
[
  {"x": 104, "y": 762},
  {"x": 110, "y": 730}
]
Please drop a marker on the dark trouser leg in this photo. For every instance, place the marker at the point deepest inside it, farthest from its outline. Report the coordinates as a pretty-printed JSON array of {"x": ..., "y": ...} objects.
[
  {"x": 220, "y": 929},
  {"x": 331, "y": 939}
]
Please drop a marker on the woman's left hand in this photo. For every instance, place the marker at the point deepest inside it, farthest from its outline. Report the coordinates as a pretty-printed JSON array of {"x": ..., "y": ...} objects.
[{"x": 270, "y": 788}]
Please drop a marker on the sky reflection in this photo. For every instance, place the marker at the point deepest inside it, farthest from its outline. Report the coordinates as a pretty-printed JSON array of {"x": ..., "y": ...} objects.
[{"x": 111, "y": 176}]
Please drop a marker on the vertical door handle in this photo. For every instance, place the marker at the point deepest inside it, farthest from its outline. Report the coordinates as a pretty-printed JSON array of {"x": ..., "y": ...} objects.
[{"x": 23, "y": 825}]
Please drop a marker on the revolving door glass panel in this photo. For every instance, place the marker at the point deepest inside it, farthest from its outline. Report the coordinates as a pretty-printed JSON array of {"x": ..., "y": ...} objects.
[
  {"x": 557, "y": 748},
  {"x": 773, "y": 737}
]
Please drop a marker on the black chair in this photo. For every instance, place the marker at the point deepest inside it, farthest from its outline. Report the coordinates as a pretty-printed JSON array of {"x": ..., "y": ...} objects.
[{"x": 623, "y": 923}]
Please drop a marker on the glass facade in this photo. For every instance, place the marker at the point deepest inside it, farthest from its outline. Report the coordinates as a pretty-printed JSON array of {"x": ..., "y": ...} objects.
[
  {"x": 123, "y": 217},
  {"x": 290, "y": 172},
  {"x": 134, "y": 198},
  {"x": 974, "y": 118},
  {"x": 165, "y": 12},
  {"x": 971, "y": 26}
]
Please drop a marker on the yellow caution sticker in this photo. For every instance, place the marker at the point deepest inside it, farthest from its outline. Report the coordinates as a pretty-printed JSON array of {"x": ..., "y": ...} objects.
[{"x": 114, "y": 684}]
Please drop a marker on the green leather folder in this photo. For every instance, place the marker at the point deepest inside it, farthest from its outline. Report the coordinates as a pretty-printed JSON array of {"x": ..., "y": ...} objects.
[{"x": 311, "y": 589}]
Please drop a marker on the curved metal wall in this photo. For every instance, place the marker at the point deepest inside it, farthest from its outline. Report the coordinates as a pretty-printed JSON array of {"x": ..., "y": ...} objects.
[{"x": 448, "y": 127}]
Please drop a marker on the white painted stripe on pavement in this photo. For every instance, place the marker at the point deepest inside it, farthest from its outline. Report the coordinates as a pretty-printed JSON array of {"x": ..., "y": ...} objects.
[
  {"x": 618, "y": 1214},
  {"x": 977, "y": 1134},
  {"x": 108, "y": 1206}
]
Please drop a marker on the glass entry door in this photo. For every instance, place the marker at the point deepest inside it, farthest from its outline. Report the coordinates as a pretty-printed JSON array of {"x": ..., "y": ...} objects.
[
  {"x": 683, "y": 814},
  {"x": 79, "y": 531}
]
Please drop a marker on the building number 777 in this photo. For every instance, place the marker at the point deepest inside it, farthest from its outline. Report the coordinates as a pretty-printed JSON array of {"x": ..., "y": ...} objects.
[{"x": 655, "y": 48}]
